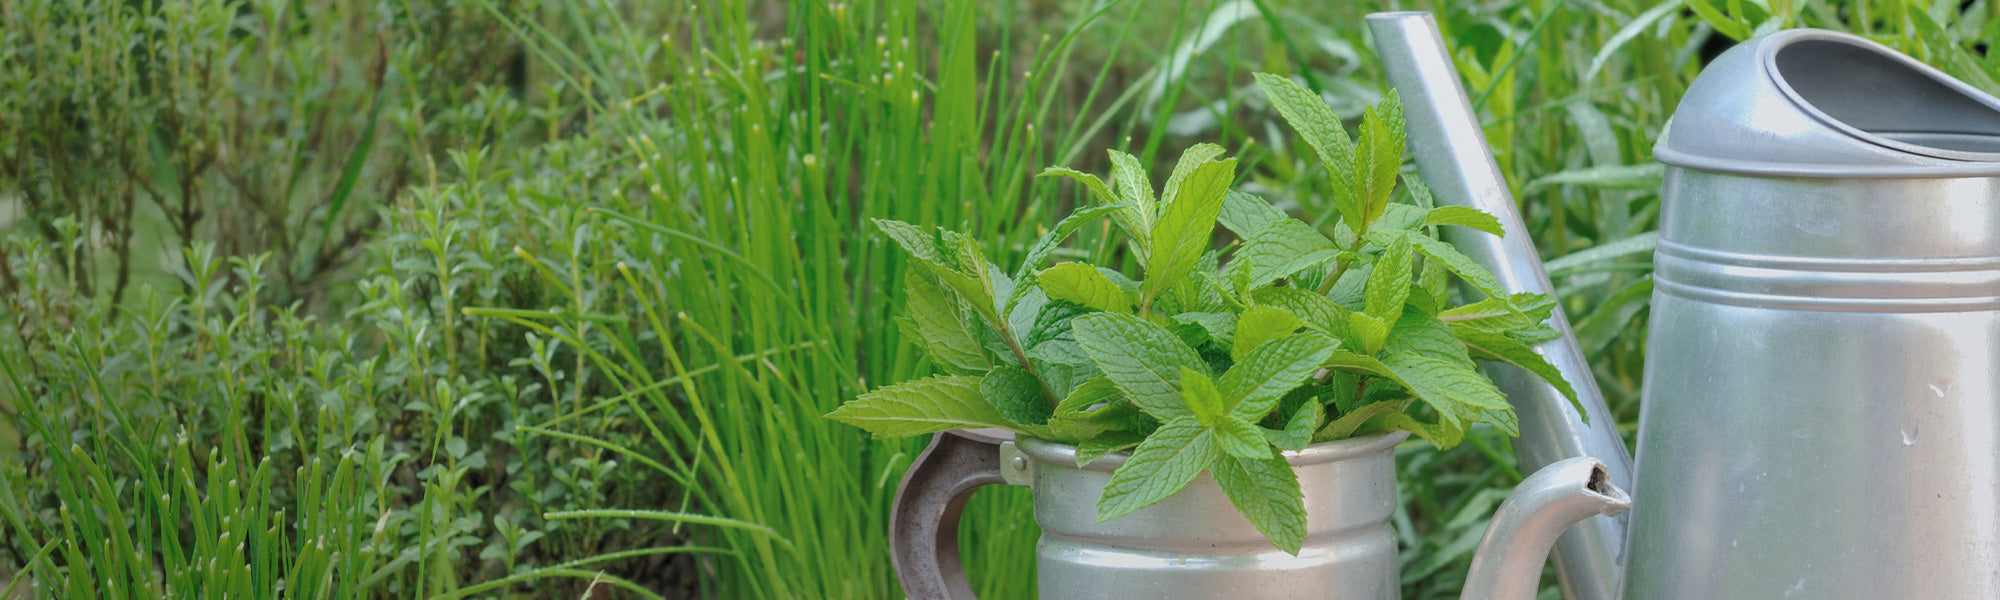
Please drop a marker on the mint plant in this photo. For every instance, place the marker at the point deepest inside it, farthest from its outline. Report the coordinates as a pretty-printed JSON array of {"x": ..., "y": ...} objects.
[{"x": 1207, "y": 364}]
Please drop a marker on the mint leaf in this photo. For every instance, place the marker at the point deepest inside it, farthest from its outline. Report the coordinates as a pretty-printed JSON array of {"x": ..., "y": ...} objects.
[
  {"x": 938, "y": 324},
  {"x": 1083, "y": 284},
  {"x": 1159, "y": 467},
  {"x": 913, "y": 239},
  {"x": 1281, "y": 249},
  {"x": 1135, "y": 219},
  {"x": 1316, "y": 311},
  {"x": 1129, "y": 181},
  {"x": 1495, "y": 346},
  {"x": 1252, "y": 387},
  {"x": 1298, "y": 431},
  {"x": 1186, "y": 227},
  {"x": 1142, "y": 359},
  {"x": 1016, "y": 394},
  {"x": 1452, "y": 388},
  {"x": 1458, "y": 263},
  {"x": 1308, "y": 114},
  {"x": 1218, "y": 327},
  {"x": 1191, "y": 158},
  {"x": 1201, "y": 397},
  {"x": 1246, "y": 215},
  {"x": 1425, "y": 335},
  {"x": 1239, "y": 438},
  {"x": 1258, "y": 325},
  {"x": 1087, "y": 398},
  {"x": 1048, "y": 243},
  {"x": 1345, "y": 426},
  {"x": 1463, "y": 216},
  {"x": 1355, "y": 363},
  {"x": 921, "y": 406},
  {"x": 1267, "y": 492},
  {"x": 1389, "y": 281},
  {"x": 1379, "y": 159},
  {"x": 1369, "y": 331},
  {"x": 1088, "y": 451}
]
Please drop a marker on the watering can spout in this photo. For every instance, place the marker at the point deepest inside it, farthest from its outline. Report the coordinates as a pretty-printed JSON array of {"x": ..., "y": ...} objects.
[
  {"x": 1508, "y": 563},
  {"x": 1450, "y": 149}
]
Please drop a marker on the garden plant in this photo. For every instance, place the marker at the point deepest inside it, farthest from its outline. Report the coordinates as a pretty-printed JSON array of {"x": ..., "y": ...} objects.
[{"x": 1212, "y": 365}]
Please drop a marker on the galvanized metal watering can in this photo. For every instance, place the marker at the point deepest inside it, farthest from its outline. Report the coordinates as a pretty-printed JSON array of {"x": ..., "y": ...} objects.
[{"x": 1822, "y": 390}]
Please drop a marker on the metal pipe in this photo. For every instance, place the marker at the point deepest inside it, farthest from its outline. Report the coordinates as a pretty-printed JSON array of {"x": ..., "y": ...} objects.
[
  {"x": 1451, "y": 151},
  {"x": 1508, "y": 564}
]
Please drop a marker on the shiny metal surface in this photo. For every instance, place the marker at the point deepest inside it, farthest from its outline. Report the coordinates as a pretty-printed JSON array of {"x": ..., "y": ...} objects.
[
  {"x": 1451, "y": 151},
  {"x": 1508, "y": 563},
  {"x": 1821, "y": 413},
  {"x": 1195, "y": 545}
]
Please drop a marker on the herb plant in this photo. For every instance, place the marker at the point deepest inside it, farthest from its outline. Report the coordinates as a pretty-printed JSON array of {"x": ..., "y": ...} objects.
[{"x": 1206, "y": 364}]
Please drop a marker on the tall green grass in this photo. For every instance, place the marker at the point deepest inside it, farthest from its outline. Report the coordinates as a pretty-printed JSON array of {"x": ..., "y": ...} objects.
[{"x": 571, "y": 323}]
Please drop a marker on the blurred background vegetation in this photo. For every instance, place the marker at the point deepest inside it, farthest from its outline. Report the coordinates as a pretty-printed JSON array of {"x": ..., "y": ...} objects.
[{"x": 488, "y": 298}]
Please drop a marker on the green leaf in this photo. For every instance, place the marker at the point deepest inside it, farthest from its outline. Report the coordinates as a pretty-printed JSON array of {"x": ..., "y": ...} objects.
[
  {"x": 1378, "y": 159},
  {"x": 913, "y": 239},
  {"x": 1308, "y": 114},
  {"x": 1084, "y": 401},
  {"x": 1142, "y": 359},
  {"x": 1201, "y": 397},
  {"x": 1267, "y": 492},
  {"x": 1088, "y": 451},
  {"x": 1345, "y": 426},
  {"x": 1281, "y": 249},
  {"x": 1047, "y": 245},
  {"x": 1218, "y": 327},
  {"x": 1258, "y": 325},
  {"x": 1351, "y": 362},
  {"x": 921, "y": 406},
  {"x": 937, "y": 323},
  {"x": 1159, "y": 467},
  {"x": 1239, "y": 438},
  {"x": 1422, "y": 334},
  {"x": 1459, "y": 264},
  {"x": 1252, "y": 387},
  {"x": 1368, "y": 330},
  {"x": 1186, "y": 227},
  {"x": 1135, "y": 219},
  {"x": 1298, "y": 431},
  {"x": 1128, "y": 179},
  {"x": 1450, "y": 387},
  {"x": 1495, "y": 346},
  {"x": 1463, "y": 216},
  {"x": 1389, "y": 281},
  {"x": 1247, "y": 215},
  {"x": 1193, "y": 157},
  {"x": 1316, "y": 311},
  {"x": 1016, "y": 394},
  {"x": 1083, "y": 284}
]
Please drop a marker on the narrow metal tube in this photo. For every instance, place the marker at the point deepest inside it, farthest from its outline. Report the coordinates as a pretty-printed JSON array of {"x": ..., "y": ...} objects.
[
  {"x": 1508, "y": 564},
  {"x": 1451, "y": 151}
]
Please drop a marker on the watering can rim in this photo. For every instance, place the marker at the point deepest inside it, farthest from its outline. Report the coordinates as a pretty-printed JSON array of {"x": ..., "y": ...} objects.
[
  {"x": 1323, "y": 452},
  {"x": 1924, "y": 161}
]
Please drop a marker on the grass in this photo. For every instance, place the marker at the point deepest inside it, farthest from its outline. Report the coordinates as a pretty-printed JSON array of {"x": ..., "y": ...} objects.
[{"x": 570, "y": 324}]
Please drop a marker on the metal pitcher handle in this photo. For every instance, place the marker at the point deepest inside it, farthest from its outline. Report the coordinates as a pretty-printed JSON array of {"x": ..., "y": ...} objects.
[{"x": 923, "y": 522}]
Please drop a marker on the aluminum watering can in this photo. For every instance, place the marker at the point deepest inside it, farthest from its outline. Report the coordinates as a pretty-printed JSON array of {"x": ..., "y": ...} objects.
[{"x": 1823, "y": 365}]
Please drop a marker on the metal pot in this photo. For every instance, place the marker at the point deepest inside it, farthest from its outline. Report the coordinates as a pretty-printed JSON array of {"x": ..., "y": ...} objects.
[{"x": 1195, "y": 545}]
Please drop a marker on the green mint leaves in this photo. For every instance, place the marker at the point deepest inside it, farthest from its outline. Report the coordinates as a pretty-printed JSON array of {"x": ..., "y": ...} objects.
[{"x": 1218, "y": 361}]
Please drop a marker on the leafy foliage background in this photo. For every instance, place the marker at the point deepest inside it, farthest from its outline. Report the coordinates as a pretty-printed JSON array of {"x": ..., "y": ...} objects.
[{"x": 482, "y": 298}]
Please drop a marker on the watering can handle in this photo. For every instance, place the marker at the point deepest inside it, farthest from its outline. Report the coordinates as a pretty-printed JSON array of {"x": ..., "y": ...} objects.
[{"x": 923, "y": 522}]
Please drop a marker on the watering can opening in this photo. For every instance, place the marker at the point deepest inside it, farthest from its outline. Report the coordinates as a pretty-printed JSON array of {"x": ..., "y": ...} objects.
[
  {"x": 1814, "y": 104},
  {"x": 1886, "y": 98}
]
